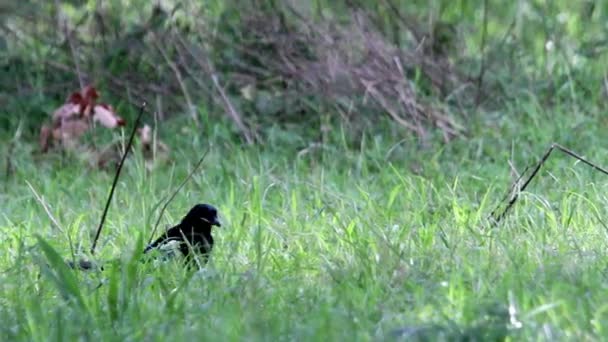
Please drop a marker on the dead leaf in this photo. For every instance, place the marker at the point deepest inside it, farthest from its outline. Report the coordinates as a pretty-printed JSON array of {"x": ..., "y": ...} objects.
[
  {"x": 105, "y": 115},
  {"x": 74, "y": 118},
  {"x": 71, "y": 108}
]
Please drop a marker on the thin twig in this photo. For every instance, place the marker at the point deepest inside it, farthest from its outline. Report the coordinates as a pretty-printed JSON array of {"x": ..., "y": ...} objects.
[
  {"x": 162, "y": 210},
  {"x": 9, "y": 155},
  {"x": 408, "y": 21},
  {"x": 515, "y": 191},
  {"x": 68, "y": 37},
  {"x": 482, "y": 68},
  {"x": 207, "y": 66},
  {"x": 122, "y": 161},
  {"x": 231, "y": 110},
  {"x": 180, "y": 81},
  {"x": 44, "y": 206}
]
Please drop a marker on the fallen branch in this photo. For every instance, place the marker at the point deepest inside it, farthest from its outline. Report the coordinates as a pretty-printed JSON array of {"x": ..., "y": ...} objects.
[
  {"x": 515, "y": 190},
  {"x": 162, "y": 210},
  {"x": 122, "y": 161}
]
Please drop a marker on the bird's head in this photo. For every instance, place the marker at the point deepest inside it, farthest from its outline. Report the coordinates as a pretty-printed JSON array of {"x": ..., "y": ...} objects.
[{"x": 205, "y": 213}]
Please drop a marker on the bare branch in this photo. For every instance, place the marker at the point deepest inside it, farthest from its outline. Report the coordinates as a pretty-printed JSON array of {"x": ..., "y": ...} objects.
[
  {"x": 516, "y": 190},
  {"x": 122, "y": 161}
]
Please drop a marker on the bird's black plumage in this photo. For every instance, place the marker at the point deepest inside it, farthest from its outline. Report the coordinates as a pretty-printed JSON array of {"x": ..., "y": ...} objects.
[{"x": 192, "y": 234}]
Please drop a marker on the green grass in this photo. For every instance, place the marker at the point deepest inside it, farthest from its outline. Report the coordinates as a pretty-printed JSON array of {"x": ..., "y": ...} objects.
[
  {"x": 340, "y": 242},
  {"x": 368, "y": 237}
]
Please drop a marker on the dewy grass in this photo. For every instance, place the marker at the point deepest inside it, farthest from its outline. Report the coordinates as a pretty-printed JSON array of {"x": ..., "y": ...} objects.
[{"x": 340, "y": 242}]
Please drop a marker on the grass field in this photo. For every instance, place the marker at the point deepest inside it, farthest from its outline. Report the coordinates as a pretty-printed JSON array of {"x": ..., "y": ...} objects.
[{"x": 370, "y": 238}]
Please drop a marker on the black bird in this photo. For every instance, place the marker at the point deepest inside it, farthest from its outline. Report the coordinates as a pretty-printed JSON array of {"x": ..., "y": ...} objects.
[{"x": 193, "y": 232}]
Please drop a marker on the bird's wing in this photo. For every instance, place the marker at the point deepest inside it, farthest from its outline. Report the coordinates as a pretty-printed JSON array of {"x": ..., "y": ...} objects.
[{"x": 166, "y": 238}]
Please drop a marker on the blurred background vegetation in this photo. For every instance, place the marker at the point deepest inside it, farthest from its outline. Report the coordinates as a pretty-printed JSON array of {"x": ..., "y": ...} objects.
[{"x": 435, "y": 68}]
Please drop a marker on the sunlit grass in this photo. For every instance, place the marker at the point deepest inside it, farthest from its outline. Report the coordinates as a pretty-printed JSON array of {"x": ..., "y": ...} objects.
[{"x": 340, "y": 242}]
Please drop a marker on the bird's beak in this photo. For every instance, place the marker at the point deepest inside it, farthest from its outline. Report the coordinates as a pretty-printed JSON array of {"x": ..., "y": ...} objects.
[{"x": 214, "y": 222}]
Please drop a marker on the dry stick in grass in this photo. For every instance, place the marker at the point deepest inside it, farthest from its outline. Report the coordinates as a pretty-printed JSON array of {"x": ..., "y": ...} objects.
[
  {"x": 515, "y": 191},
  {"x": 162, "y": 210},
  {"x": 122, "y": 161},
  {"x": 44, "y": 206},
  {"x": 54, "y": 221}
]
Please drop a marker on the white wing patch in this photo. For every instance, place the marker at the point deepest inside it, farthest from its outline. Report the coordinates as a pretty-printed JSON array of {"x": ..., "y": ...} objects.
[{"x": 169, "y": 249}]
